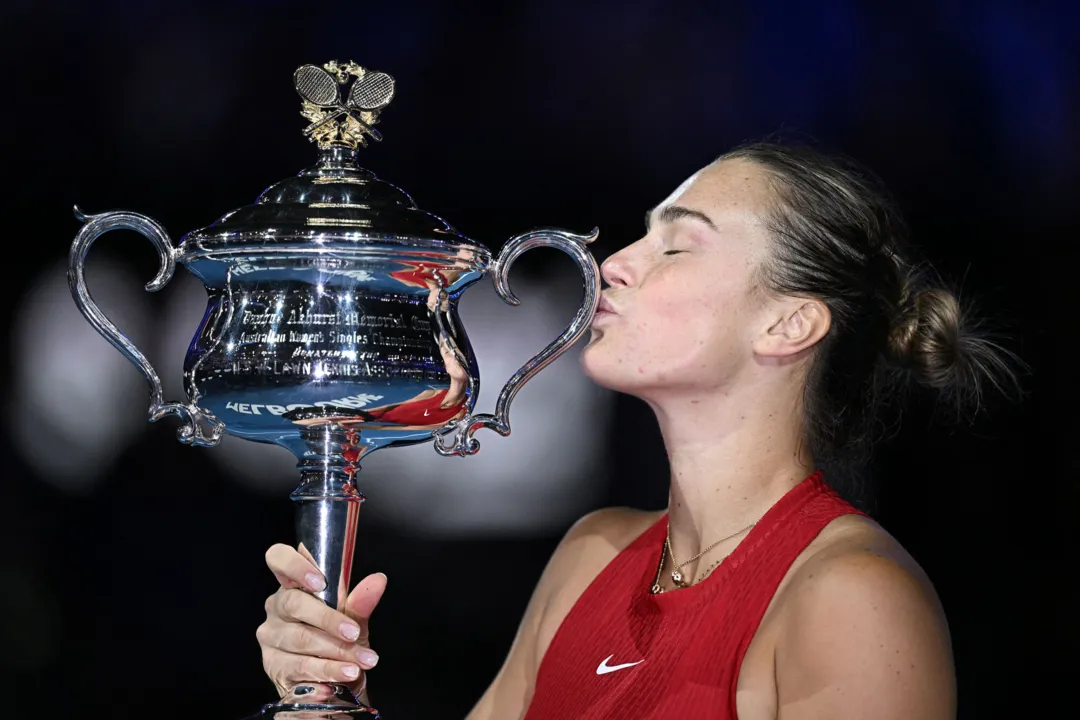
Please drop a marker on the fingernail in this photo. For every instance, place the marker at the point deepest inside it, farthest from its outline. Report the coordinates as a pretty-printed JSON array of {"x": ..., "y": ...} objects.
[
  {"x": 350, "y": 671},
  {"x": 367, "y": 657},
  {"x": 349, "y": 631},
  {"x": 314, "y": 581}
]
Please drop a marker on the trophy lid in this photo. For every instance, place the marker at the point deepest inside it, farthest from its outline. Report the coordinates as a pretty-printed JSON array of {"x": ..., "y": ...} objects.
[{"x": 335, "y": 205}]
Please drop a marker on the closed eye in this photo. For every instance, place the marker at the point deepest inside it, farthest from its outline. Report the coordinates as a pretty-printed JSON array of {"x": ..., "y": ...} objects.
[{"x": 673, "y": 252}]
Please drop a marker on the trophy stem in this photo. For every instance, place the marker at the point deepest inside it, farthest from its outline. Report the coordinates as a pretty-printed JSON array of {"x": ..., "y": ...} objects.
[
  {"x": 327, "y": 510},
  {"x": 328, "y": 506},
  {"x": 326, "y": 531}
]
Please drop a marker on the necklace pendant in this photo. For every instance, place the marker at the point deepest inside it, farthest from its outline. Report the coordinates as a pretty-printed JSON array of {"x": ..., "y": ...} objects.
[{"x": 677, "y": 578}]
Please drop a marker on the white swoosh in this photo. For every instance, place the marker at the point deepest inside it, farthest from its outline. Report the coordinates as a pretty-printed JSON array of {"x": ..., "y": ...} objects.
[{"x": 603, "y": 668}]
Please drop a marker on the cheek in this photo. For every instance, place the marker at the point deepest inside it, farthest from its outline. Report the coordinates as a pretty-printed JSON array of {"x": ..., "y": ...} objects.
[
  {"x": 683, "y": 315},
  {"x": 675, "y": 328}
]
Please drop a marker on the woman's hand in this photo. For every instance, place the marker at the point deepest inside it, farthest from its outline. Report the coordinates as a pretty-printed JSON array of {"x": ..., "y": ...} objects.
[{"x": 303, "y": 640}]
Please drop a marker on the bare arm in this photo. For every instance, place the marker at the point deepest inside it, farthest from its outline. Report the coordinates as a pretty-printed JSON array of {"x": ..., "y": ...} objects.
[{"x": 864, "y": 637}]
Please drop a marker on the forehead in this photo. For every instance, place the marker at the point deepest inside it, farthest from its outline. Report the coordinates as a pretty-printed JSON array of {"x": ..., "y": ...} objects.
[{"x": 725, "y": 186}]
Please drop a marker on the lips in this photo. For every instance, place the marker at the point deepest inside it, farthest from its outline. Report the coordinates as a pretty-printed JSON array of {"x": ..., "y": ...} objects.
[
  {"x": 604, "y": 309},
  {"x": 605, "y": 306}
]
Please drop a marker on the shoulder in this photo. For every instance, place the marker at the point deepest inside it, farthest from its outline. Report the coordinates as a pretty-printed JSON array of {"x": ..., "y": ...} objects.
[
  {"x": 855, "y": 557},
  {"x": 862, "y": 632},
  {"x": 593, "y": 541},
  {"x": 858, "y": 567},
  {"x": 584, "y": 550},
  {"x": 612, "y": 526}
]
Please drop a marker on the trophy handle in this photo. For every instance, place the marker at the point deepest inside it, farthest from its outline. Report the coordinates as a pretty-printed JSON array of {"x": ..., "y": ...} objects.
[
  {"x": 193, "y": 431},
  {"x": 457, "y": 437}
]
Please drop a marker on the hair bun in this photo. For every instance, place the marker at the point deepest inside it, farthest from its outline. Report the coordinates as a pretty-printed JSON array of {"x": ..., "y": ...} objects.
[
  {"x": 927, "y": 338},
  {"x": 934, "y": 340}
]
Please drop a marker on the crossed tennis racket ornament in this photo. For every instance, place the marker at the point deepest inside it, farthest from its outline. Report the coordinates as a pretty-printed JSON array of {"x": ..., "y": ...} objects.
[{"x": 340, "y": 117}]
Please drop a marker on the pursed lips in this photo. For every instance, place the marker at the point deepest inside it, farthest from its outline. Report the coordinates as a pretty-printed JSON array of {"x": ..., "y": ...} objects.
[{"x": 604, "y": 308}]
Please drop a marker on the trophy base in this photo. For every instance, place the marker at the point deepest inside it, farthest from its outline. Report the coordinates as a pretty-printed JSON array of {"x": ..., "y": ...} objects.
[{"x": 316, "y": 702}]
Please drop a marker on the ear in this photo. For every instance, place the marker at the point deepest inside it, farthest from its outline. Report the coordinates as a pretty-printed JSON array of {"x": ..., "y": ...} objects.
[{"x": 797, "y": 324}]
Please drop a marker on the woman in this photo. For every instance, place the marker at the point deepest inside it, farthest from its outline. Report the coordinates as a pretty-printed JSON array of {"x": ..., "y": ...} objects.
[{"x": 765, "y": 316}]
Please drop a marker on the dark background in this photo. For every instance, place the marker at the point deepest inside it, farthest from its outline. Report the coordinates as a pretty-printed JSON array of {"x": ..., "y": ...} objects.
[{"x": 139, "y": 597}]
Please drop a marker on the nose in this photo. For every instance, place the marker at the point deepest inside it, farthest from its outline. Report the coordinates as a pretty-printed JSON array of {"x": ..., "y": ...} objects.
[{"x": 615, "y": 270}]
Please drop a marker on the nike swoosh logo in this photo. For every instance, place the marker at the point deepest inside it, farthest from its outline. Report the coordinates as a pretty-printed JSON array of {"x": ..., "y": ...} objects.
[{"x": 603, "y": 668}]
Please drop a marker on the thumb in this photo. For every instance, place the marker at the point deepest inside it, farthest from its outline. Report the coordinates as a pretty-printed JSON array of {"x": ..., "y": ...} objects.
[{"x": 364, "y": 597}]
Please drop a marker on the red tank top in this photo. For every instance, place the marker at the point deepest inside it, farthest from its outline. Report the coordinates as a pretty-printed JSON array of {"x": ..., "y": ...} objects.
[{"x": 623, "y": 652}]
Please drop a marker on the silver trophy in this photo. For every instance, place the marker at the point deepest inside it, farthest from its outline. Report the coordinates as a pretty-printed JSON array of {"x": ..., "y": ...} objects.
[{"x": 332, "y": 328}]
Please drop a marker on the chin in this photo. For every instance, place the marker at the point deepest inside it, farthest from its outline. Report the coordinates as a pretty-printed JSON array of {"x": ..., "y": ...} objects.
[
  {"x": 612, "y": 365},
  {"x": 596, "y": 361}
]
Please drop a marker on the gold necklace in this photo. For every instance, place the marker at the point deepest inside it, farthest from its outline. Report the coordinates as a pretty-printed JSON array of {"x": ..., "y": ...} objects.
[
  {"x": 676, "y": 574},
  {"x": 656, "y": 589}
]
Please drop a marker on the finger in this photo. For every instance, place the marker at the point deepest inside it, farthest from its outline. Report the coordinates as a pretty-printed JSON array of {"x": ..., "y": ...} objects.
[
  {"x": 290, "y": 668},
  {"x": 301, "y": 639},
  {"x": 363, "y": 599},
  {"x": 292, "y": 569},
  {"x": 299, "y": 607}
]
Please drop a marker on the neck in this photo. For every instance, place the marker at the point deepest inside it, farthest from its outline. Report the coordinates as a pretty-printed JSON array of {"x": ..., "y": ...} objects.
[{"x": 732, "y": 457}]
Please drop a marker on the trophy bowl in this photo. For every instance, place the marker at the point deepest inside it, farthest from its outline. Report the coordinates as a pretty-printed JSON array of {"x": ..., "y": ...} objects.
[{"x": 332, "y": 327}]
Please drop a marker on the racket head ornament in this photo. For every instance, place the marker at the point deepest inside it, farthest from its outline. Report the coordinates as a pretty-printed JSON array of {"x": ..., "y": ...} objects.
[
  {"x": 373, "y": 91},
  {"x": 317, "y": 86},
  {"x": 334, "y": 123}
]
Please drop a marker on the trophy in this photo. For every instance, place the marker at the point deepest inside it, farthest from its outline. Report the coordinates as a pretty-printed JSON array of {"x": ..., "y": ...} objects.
[{"x": 332, "y": 328}]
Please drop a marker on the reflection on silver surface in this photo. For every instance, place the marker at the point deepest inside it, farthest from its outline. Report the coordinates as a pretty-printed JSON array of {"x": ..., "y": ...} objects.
[
  {"x": 516, "y": 487},
  {"x": 318, "y": 701},
  {"x": 463, "y": 442},
  {"x": 366, "y": 329},
  {"x": 331, "y": 326}
]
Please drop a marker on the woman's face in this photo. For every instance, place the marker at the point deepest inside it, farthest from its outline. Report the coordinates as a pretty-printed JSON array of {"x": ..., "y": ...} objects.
[{"x": 684, "y": 314}]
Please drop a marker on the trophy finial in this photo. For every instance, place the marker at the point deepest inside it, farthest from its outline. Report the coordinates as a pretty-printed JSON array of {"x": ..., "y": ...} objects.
[{"x": 340, "y": 116}]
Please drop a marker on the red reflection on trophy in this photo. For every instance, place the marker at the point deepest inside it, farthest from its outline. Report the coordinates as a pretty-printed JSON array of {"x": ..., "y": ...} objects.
[
  {"x": 435, "y": 276},
  {"x": 430, "y": 408}
]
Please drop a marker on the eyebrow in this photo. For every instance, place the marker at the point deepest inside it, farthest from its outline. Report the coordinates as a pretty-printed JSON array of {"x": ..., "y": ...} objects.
[{"x": 671, "y": 213}]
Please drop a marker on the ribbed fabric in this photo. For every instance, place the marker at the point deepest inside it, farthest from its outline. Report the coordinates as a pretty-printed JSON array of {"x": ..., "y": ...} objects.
[{"x": 690, "y": 642}]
